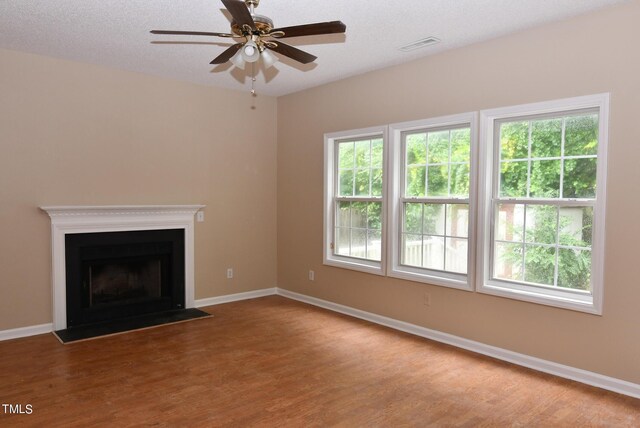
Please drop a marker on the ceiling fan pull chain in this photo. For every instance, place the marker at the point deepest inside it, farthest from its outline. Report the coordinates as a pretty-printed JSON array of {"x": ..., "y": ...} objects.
[{"x": 253, "y": 80}]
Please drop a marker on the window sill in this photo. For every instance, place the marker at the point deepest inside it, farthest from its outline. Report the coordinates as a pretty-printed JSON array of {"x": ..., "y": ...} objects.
[
  {"x": 359, "y": 265},
  {"x": 459, "y": 282},
  {"x": 567, "y": 300}
]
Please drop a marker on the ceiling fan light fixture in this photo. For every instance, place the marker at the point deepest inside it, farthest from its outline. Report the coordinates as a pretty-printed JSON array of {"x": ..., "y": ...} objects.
[
  {"x": 250, "y": 51},
  {"x": 238, "y": 60},
  {"x": 268, "y": 58}
]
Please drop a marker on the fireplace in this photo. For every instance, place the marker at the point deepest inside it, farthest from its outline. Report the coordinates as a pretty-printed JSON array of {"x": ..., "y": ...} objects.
[
  {"x": 114, "y": 275},
  {"x": 136, "y": 257}
]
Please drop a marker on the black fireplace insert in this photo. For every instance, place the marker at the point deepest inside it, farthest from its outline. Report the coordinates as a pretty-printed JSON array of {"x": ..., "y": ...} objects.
[{"x": 116, "y": 275}]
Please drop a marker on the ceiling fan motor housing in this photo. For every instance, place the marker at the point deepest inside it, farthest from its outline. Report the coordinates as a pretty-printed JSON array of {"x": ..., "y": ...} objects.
[{"x": 263, "y": 24}]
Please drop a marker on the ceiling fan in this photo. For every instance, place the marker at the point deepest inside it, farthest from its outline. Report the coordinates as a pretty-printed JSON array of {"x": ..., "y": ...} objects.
[{"x": 259, "y": 36}]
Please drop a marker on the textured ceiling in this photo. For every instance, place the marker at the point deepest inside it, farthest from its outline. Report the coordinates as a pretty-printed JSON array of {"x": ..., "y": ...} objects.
[{"x": 115, "y": 33}]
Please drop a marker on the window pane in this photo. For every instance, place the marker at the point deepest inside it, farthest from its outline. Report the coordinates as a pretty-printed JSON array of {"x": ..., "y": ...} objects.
[
  {"x": 579, "y": 178},
  {"x": 576, "y": 226},
  {"x": 514, "y": 140},
  {"x": 460, "y": 145},
  {"x": 542, "y": 223},
  {"x": 434, "y": 219},
  {"x": 374, "y": 217},
  {"x": 546, "y": 138},
  {"x": 376, "y": 182},
  {"x": 413, "y": 218},
  {"x": 457, "y": 250},
  {"x": 363, "y": 156},
  {"x": 574, "y": 269},
  {"x": 359, "y": 243},
  {"x": 513, "y": 179},
  {"x": 508, "y": 261},
  {"x": 545, "y": 179},
  {"x": 433, "y": 252},
  {"x": 362, "y": 182},
  {"x": 438, "y": 147},
  {"x": 438, "y": 180},
  {"x": 460, "y": 181},
  {"x": 359, "y": 215},
  {"x": 581, "y": 135},
  {"x": 374, "y": 245},
  {"x": 458, "y": 220},
  {"x": 412, "y": 250},
  {"x": 510, "y": 222},
  {"x": 416, "y": 149},
  {"x": 416, "y": 180},
  {"x": 376, "y": 153},
  {"x": 345, "y": 155},
  {"x": 540, "y": 264},
  {"x": 342, "y": 241},
  {"x": 344, "y": 214},
  {"x": 346, "y": 182}
]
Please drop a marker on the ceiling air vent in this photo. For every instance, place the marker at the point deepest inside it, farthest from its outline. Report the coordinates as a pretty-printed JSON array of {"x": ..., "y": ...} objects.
[{"x": 420, "y": 44}]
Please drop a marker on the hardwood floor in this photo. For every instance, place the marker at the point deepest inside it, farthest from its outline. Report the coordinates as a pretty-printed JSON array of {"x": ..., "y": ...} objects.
[{"x": 276, "y": 362}]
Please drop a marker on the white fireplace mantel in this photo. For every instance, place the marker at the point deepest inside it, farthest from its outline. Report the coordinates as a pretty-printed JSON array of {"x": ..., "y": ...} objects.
[{"x": 115, "y": 218}]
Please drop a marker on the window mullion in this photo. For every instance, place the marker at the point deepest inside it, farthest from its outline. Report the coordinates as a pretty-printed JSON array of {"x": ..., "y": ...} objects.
[
  {"x": 524, "y": 243},
  {"x": 552, "y": 202},
  {"x": 555, "y": 273},
  {"x": 529, "y": 160},
  {"x": 562, "y": 140},
  {"x": 435, "y": 201}
]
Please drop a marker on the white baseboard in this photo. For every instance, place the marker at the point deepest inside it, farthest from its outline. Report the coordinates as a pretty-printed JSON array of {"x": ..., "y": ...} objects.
[
  {"x": 579, "y": 375},
  {"x": 235, "y": 297},
  {"x": 33, "y": 330}
]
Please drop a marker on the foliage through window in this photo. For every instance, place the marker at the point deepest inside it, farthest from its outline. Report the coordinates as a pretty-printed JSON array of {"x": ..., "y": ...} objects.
[
  {"x": 542, "y": 236},
  {"x": 435, "y": 203},
  {"x": 543, "y": 200},
  {"x": 358, "y": 200}
]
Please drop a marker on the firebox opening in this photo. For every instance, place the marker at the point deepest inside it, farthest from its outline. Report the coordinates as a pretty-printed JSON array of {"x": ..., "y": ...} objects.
[{"x": 122, "y": 282}]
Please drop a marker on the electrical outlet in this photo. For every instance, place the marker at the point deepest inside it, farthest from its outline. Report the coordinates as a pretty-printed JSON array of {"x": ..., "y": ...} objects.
[
  {"x": 229, "y": 273},
  {"x": 312, "y": 275},
  {"x": 200, "y": 216},
  {"x": 427, "y": 299}
]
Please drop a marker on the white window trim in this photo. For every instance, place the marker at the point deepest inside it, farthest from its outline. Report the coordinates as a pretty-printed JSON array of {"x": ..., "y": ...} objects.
[
  {"x": 329, "y": 258},
  {"x": 394, "y": 192},
  {"x": 484, "y": 284}
]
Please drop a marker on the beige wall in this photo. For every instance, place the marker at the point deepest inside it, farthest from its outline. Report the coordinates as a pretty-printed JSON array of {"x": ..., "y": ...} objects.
[
  {"x": 77, "y": 134},
  {"x": 591, "y": 54}
]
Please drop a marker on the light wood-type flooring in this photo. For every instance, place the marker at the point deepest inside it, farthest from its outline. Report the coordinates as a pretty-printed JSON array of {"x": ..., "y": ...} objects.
[{"x": 275, "y": 362}]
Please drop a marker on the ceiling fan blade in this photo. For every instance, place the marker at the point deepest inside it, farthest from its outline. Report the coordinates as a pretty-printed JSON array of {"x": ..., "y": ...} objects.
[
  {"x": 239, "y": 12},
  {"x": 227, "y": 54},
  {"x": 190, "y": 33},
  {"x": 312, "y": 29},
  {"x": 291, "y": 52}
]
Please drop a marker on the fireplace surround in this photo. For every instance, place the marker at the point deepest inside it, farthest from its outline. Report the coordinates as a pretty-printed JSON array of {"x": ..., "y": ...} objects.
[{"x": 145, "y": 260}]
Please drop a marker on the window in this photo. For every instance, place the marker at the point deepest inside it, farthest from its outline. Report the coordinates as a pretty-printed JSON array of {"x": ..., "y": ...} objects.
[
  {"x": 530, "y": 228},
  {"x": 431, "y": 211},
  {"x": 543, "y": 204},
  {"x": 354, "y": 203}
]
